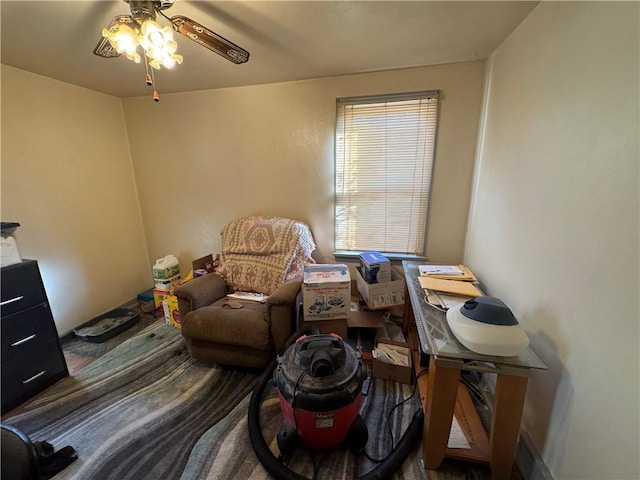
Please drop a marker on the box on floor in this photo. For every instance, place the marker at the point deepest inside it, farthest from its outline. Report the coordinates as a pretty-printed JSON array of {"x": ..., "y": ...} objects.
[
  {"x": 334, "y": 325},
  {"x": 388, "y": 370},
  {"x": 326, "y": 291},
  {"x": 171, "y": 312}
]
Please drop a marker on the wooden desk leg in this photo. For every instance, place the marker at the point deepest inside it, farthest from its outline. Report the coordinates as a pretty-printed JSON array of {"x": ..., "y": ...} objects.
[
  {"x": 505, "y": 425},
  {"x": 439, "y": 406}
]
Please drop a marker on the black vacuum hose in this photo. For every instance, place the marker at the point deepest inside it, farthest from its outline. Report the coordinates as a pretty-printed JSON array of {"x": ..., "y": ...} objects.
[{"x": 382, "y": 471}]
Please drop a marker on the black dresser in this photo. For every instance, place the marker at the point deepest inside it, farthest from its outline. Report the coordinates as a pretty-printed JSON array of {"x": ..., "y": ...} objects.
[{"x": 32, "y": 358}]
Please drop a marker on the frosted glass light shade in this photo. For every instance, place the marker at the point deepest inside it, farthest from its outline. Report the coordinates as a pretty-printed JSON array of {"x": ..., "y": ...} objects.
[
  {"x": 159, "y": 45},
  {"x": 124, "y": 39}
]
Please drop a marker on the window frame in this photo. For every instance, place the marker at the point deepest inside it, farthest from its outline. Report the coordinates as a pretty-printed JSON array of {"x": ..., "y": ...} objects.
[{"x": 384, "y": 98}]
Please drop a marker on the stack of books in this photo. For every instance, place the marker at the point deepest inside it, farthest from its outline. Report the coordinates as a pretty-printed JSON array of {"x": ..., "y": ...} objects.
[{"x": 447, "y": 286}]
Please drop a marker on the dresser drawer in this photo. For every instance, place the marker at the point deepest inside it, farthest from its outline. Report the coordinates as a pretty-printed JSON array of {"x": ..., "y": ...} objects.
[
  {"x": 30, "y": 372},
  {"x": 21, "y": 287},
  {"x": 27, "y": 329}
]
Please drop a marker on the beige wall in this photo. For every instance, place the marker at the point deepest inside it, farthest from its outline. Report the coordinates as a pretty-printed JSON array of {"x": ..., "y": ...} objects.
[
  {"x": 206, "y": 157},
  {"x": 555, "y": 221},
  {"x": 96, "y": 224},
  {"x": 67, "y": 179}
]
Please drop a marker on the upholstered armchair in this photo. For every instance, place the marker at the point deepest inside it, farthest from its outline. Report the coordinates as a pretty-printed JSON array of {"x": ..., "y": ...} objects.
[{"x": 259, "y": 254}]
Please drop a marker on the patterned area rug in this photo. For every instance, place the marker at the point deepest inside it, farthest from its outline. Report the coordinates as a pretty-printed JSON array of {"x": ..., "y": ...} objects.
[{"x": 147, "y": 410}]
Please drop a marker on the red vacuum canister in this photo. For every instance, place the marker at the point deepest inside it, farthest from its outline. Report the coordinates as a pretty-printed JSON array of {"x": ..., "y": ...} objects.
[{"x": 319, "y": 380}]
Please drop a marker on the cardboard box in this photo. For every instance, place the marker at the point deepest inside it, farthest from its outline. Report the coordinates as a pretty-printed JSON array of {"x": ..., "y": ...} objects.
[
  {"x": 326, "y": 291},
  {"x": 206, "y": 263},
  {"x": 159, "y": 296},
  {"x": 366, "y": 319},
  {"x": 392, "y": 371},
  {"x": 376, "y": 268},
  {"x": 171, "y": 313},
  {"x": 337, "y": 326},
  {"x": 382, "y": 295}
]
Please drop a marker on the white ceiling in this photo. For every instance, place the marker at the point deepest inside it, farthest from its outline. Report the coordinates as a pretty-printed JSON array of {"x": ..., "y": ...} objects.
[{"x": 286, "y": 40}]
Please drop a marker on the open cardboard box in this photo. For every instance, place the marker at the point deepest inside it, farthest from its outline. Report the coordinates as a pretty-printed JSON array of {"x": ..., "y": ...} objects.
[
  {"x": 381, "y": 295},
  {"x": 392, "y": 371}
]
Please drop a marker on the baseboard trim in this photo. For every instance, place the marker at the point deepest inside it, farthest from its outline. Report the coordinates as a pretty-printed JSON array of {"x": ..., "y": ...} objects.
[{"x": 529, "y": 461}]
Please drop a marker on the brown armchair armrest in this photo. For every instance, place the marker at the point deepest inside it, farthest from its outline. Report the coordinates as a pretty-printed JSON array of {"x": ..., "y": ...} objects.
[
  {"x": 285, "y": 294},
  {"x": 200, "y": 292}
]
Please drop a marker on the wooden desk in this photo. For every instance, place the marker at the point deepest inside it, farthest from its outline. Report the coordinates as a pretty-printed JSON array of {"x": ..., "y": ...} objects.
[{"x": 442, "y": 394}]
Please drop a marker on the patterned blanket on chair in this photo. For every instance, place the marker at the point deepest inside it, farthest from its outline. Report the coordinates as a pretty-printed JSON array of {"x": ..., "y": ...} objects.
[{"x": 260, "y": 253}]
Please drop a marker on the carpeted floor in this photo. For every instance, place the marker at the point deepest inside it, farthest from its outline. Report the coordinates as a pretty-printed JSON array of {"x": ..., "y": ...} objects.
[
  {"x": 79, "y": 353},
  {"x": 138, "y": 407}
]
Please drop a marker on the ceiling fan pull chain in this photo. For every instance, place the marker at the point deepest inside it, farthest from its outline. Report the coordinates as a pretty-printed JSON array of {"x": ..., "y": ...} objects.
[
  {"x": 148, "y": 80},
  {"x": 156, "y": 97}
]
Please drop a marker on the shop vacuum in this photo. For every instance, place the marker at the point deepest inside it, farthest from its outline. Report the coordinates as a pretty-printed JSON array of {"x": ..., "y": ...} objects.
[{"x": 319, "y": 380}]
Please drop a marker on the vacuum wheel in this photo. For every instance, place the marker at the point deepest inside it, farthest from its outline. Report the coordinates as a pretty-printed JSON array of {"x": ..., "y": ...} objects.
[
  {"x": 358, "y": 435},
  {"x": 288, "y": 439}
]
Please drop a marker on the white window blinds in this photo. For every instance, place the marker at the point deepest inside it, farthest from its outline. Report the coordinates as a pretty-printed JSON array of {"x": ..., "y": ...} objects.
[{"x": 384, "y": 159}]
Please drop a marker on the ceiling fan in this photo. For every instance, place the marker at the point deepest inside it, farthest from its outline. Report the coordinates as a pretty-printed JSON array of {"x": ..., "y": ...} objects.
[{"x": 126, "y": 32}]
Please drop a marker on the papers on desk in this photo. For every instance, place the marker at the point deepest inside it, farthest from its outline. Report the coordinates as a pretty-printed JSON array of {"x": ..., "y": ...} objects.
[
  {"x": 447, "y": 272},
  {"x": 444, "y": 300},
  {"x": 448, "y": 286},
  {"x": 439, "y": 270},
  {"x": 456, "y": 287}
]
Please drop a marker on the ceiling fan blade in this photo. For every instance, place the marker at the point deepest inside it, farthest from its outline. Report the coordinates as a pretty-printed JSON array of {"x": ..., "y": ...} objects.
[
  {"x": 104, "y": 48},
  {"x": 209, "y": 39}
]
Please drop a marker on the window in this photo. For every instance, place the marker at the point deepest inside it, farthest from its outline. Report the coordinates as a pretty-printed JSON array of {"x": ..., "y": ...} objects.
[{"x": 384, "y": 158}]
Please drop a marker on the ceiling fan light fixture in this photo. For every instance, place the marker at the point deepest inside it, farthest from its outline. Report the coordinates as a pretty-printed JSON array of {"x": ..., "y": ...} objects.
[
  {"x": 159, "y": 45},
  {"x": 126, "y": 32},
  {"x": 124, "y": 39}
]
